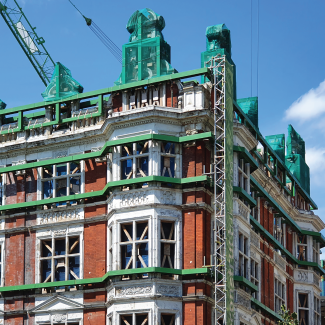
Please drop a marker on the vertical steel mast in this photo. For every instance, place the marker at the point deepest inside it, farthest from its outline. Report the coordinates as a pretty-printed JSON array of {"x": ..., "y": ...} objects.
[
  {"x": 217, "y": 67},
  {"x": 30, "y": 42}
]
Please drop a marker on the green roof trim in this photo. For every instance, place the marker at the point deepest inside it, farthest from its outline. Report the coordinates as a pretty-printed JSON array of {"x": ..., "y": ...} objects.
[
  {"x": 203, "y": 270},
  {"x": 245, "y": 154},
  {"x": 242, "y": 280},
  {"x": 105, "y": 149},
  {"x": 244, "y": 195},
  {"x": 108, "y": 186},
  {"x": 260, "y": 137},
  {"x": 266, "y": 309}
]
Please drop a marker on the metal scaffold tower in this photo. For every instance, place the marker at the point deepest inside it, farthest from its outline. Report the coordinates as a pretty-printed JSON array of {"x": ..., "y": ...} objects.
[{"x": 217, "y": 67}]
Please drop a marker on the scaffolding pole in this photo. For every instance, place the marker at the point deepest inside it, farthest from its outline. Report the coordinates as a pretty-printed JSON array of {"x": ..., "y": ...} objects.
[{"x": 217, "y": 67}]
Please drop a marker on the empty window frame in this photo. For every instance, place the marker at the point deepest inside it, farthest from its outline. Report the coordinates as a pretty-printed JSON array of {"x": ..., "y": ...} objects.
[
  {"x": 316, "y": 249},
  {"x": 167, "y": 244},
  {"x": 243, "y": 175},
  {"x": 168, "y": 158},
  {"x": 61, "y": 180},
  {"x": 110, "y": 248},
  {"x": 303, "y": 308},
  {"x": 279, "y": 294},
  {"x": 301, "y": 247},
  {"x": 279, "y": 230},
  {"x": 255, "y": 276},
  {"x": 255, "y": 210},
  {"x": 134, "y": 160},
  {"x": 60, "y": 259},
  {"x": 167, "y": 319},
  {"x": 134, "y": 245},
  {"x": 2, "y": 188},
  {"x": 134, "y": 319},
  {"x": 243, "y": 260},
  {"x": 317, "y": 311}
]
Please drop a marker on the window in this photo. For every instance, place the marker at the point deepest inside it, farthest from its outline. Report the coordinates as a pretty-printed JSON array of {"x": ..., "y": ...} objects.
[
  {"x": 134, "y": 245},
  {"x": 134, "y": 319},
  {"x": 255, "y": 210},
  {"x": 168, "y": 244},
  {"x": 279, "y": 230},
  {"x": 301, "y": 247},
  {"x": 303, "y": 309},
  {"x": 110, "y": 249},
  {"x": 243, "y": 256},
  {"x": 316, "y": 311},
  {"x": 60, "y": 259},
  {"x": 243, "y": 175},
  {"x": 167, "y": 159},
  {"x": 167, "y": 319},
  {"x": 255, "y": 276},
  {"x": 2, "y": 188},
  {"x": 279, "y": 294},
  {"x": 134, "y": 160},
  {"x": 316, "y": 249},
  {"x": 61, "y": 180}
]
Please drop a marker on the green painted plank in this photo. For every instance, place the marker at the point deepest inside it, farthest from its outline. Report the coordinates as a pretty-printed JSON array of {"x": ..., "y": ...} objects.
[
  {"x": 105, "y": 190},
  {"x": 244, "y": 195},
  {"x": 242, "y": 280},
  {"x": 245, "y": 154},
  {"x": 108, "y": 275},
  {"x": 106, "y": 147}
]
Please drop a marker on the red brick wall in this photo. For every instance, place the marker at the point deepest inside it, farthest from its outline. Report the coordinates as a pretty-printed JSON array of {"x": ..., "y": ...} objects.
[
  {"x": 117, "y": 103},
  {"x": 170, "y": 87},
  {"x": 95, "y": 250},
  {"x": 14, "y": 270},
  {"x": 93, "y": 297},
  {"x": 95, "y": 317},
  {"x": 196, "y": 313},
  {"x": 14, "y": 320}
]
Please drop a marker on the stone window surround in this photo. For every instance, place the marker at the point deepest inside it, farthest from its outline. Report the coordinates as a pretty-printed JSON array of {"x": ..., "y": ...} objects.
[
  {"x": 3, "y": 181},
  {"x": 278, "y": 297},
  {"x": 317, "y": 309},
  {"x": 309, "y": 295},
  {"x": 256, "y": 278},
  {"x": 61, "y": 232},
  {"x": 3, "y": 259},
  {"x": 154, "y": 231}
]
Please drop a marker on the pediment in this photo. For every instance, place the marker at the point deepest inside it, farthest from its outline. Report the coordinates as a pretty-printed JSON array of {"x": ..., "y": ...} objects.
[{"x": 57, "y": 303}]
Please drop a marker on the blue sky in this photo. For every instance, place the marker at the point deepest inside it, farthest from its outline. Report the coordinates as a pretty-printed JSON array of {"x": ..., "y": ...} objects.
[{"x": 291, "y": 56}]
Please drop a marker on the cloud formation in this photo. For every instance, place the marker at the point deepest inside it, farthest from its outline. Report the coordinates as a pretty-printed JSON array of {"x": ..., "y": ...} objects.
[
  {"x": 308, "y": 106},
  {"x": 315, "y": 158}
]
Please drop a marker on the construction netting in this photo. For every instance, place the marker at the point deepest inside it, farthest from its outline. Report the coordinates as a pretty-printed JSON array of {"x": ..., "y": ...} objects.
[
  {"x": 2, "y": 104},
  {"x": 147, "y": 54},
  {"x": 295, "y": 143},
  {"x": 250, "y": 108},
  {"x": 62, "y": 85},
  {"x": 298, "y": 167},
  {"x": 277, "y": 143}
]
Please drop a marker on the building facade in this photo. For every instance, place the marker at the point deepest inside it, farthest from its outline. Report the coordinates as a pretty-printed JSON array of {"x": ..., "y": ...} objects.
[{"x": 107, "y": 212}]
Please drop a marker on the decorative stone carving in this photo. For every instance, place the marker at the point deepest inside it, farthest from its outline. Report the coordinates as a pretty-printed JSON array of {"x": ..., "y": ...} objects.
[
  {"x": 60, "y": 154},
  {"x": 169, "y": 290},
  {"x": 315, "y": 280},
  {"x": 302, "y": 276},
  {"x": 255, "y": 239},
  {"x": 242, "y": 300},
  {"x": 242, "y": 209},
  {"x": 111, "y": 294},
  {"x": 169, "y": 197},
  {"x": 59, "y": 216},
  {"x": 131, "y": 291},
  {"x": 279, "y": 261},
  {"x": 59, "y": 318},
  {"x": 59, "y": 232},
  {"x": 134, "y": 199}
]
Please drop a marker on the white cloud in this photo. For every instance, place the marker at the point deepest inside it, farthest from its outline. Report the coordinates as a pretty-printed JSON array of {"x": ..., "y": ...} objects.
[
  {"x": 315, "y": 158},
  {"x": 308, "y": 106}
]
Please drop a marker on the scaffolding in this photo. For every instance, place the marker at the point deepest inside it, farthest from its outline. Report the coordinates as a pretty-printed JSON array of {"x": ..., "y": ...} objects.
[{"x": 217, "y": 67}]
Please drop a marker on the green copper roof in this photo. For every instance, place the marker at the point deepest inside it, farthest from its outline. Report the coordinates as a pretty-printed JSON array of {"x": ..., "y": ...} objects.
[
  {"x": 2, "y": 104},
  {"x": 62, "y": 85},
  {"x": 146, "y": 55}
]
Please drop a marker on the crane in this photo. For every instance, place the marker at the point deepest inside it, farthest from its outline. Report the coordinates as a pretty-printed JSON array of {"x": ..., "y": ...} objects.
[{"x": 29, "y": 41}]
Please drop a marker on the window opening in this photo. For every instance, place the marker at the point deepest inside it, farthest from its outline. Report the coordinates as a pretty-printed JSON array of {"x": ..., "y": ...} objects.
[
  {"x": 134, "y": 245},
  {"x": 61, "y": 180},
  {"x": 303, "y": 309},
  {"x": 60, "y": 259},
  {"x": 301, "y": 247},
  {"x": 243, "y": 178},
  {"x": 134, "y": 319},
  {"x": 168, "y": 244},
  {"x": 279, "y": 294},
  {"x": 317, "y": 311},
  {"x": 255, "y": 277},
  {"x": 243, "y": 256},
  {"x": 316, "y": 249},
  {"x": 110, "y": 249},
  {"x": 167, "y": 319},
  {"x": 168, "y": 157}
]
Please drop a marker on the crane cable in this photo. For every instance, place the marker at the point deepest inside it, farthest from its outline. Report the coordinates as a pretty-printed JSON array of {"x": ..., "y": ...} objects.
[{"x": 110, "y": 45}]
